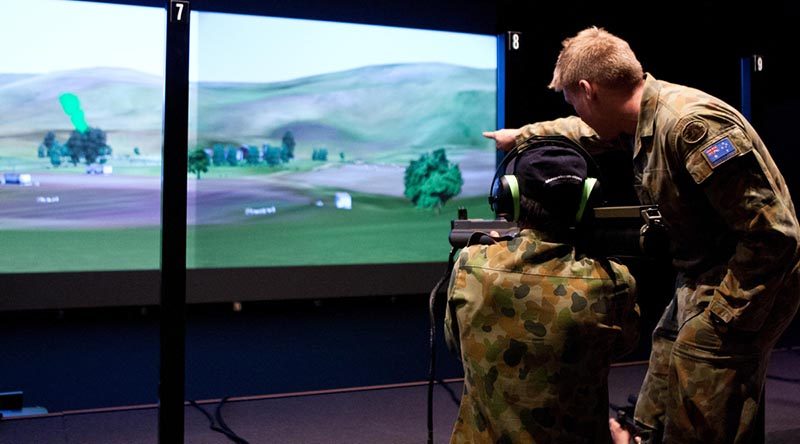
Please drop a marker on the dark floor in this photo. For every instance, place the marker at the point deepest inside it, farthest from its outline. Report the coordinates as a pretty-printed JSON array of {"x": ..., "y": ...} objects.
[
  {"x": 391, "y": 415},
  {"x": 86, "y": 367}
]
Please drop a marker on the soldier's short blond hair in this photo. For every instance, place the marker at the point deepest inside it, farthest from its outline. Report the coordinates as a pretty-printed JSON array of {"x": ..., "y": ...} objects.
[{"x": 597, "y": 56}]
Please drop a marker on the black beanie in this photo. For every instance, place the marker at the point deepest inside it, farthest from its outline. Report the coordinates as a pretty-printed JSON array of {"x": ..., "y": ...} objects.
[{"x": 552, "y": 176}]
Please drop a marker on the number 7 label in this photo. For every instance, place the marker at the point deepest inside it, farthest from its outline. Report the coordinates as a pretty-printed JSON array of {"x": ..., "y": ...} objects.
[{"x": 179, "y": 11}]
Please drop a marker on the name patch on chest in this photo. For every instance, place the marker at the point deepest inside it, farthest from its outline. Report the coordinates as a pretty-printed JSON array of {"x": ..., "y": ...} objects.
[{"x": 719, "y": 152}]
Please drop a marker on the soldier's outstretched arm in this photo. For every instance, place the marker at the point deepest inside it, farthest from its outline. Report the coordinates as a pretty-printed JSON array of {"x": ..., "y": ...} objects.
[{"x": 504, "y": 139}]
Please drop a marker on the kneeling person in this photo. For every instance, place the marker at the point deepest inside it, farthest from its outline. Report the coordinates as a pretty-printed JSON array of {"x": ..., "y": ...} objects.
[{"x": 535, "y": 324}]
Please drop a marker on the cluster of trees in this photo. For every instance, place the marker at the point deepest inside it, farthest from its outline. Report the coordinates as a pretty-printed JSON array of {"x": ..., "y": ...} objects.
[
  {"x": 220, "y": 155},
  {"x": 432, "y": 180},
  {"x": 251, "y": 155},
  {"x": 320, "y": 154},
  {"x": 89, "y": 146}
]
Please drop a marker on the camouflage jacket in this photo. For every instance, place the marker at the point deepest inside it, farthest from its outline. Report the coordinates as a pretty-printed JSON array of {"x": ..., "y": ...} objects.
[
  {"x": 535, "y": 328},
  {"x": 733, "y": 225}
]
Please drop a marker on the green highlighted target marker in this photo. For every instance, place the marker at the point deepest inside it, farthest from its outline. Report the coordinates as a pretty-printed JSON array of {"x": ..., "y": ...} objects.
[{"x": 72, "y": 106}]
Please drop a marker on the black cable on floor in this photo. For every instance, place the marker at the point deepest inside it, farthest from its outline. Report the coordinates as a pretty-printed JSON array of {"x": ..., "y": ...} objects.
[
  {"x": 221, "y": 422},
  {"x": 453, "y": 396},
  {"x": 432, "y": 337},
  {"x": 222, "y": 427}
]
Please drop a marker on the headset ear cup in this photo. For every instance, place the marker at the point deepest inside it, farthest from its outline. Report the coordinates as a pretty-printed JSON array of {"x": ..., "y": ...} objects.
[
  {"x": 513, "y": 185},
  {"x": 591, "y": 197},
  {"x": 505, "y": 198}
]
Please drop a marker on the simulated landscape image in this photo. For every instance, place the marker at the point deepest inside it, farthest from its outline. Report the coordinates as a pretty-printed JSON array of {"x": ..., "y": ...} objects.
[
  {"x": 325, "y": 180},
  {"x": 356, "y": 146},
  {"x": 80, "y": 136},
  {"x": 292, "y": 160}
]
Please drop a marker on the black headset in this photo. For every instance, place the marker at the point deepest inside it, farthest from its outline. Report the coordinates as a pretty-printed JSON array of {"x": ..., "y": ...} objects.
[{"x": 504, "y": 195}]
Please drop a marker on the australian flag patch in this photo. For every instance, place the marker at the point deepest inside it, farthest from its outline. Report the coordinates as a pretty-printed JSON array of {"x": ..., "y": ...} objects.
[{"x": 719, "y": 152}]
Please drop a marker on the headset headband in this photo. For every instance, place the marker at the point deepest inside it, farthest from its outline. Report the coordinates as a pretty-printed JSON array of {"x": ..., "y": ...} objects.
[{"x": 504, "y": 191}]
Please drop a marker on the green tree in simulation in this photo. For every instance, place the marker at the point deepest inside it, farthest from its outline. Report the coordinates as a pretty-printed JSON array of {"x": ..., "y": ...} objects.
[
  {"x": 253, "y": 156},
  {"x": 47, "y": 144},
  {"x": 287, "y": 147},
  {"x": 89, "y": 145},
  {"x": 55, "y": 155},
  {"x": 432, "y": 180},
  {"x": 218, "y": 158},
  {"x": 230, "y": 156},
  {"x": 320, "y": 154},
  {"x": 198, "y": 162},
  {"x": 273, "y": 155}
]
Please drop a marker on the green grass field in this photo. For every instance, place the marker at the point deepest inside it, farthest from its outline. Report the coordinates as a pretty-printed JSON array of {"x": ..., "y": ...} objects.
[
  {"x": 79, "y": 250},
  {"x": 377, "y": 230}
]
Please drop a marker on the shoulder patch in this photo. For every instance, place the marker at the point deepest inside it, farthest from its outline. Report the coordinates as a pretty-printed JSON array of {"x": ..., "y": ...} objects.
[
  {"x": 719, "y": 152},
  {"x": 694, "y": 131}
]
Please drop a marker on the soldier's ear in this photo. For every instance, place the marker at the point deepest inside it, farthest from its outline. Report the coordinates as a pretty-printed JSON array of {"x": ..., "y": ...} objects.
[{"x": 586, "y": 89}]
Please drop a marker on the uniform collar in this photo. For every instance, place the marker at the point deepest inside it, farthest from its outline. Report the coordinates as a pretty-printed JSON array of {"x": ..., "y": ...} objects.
[
  {"x": 647, "y": 111},
  {"x": 541, "y": 236}
]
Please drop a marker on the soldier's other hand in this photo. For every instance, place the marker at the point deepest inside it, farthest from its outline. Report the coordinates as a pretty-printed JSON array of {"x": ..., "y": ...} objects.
[
  {"x": 504, "y": 139},
  {"x": 619, "y": 434}
]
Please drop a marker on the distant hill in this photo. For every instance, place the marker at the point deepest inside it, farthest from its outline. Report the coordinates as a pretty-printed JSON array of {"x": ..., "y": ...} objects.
[
  {"x": 404, "y": 105},
  {"x": 112, "y": 99},
  {"x": 9, "y": 78},
  {"x": 359, "y": 110}
]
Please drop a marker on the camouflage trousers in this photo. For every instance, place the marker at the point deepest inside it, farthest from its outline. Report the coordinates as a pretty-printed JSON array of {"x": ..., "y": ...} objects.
[{"x": 705, "y": 382}]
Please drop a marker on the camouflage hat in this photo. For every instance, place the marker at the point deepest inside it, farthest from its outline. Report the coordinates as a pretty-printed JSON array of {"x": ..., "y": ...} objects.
[{"x": 552, "y": 176}]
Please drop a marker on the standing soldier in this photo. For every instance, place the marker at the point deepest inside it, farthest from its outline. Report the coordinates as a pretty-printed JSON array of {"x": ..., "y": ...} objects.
[{"x": 734, "y": 233}]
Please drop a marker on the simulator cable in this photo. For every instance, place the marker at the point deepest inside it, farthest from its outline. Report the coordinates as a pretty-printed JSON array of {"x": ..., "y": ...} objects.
[
  {"x": 432, "y": 319},
  {"x": 217, "y": 424},
  {"x": 453, "y": 396}
]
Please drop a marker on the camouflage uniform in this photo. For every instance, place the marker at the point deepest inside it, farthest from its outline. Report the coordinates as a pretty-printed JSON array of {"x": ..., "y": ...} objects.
[
  {"x": 535, "y": 328},
  {"x": 572, "y": 128},
  {"x": 735, "y": 247}
]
